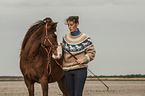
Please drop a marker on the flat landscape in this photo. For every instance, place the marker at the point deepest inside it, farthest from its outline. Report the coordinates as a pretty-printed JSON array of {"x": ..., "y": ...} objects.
[{"x": 92, "y": 88}]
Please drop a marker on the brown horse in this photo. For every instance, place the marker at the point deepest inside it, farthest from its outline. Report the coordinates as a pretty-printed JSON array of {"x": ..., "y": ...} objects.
[{"x": 36, "y": 61}]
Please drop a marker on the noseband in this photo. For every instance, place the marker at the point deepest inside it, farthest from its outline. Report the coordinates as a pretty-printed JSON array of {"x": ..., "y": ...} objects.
[{"x": 48, "y": 51}]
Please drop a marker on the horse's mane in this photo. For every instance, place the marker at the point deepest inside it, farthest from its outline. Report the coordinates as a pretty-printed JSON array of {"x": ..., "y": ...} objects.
[{"x": 33, "y": 28}]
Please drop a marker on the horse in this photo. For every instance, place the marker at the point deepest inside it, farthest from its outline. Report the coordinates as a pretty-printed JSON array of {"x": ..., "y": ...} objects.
[{"x": 36, "y": 57}]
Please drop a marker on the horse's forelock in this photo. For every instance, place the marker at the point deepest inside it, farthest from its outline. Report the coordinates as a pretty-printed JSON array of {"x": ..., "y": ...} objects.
[{"x": 47, "y": 20}]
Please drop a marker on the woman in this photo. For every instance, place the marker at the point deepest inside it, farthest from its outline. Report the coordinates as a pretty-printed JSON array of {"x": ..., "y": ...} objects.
[{"x": 79, "y": 45}]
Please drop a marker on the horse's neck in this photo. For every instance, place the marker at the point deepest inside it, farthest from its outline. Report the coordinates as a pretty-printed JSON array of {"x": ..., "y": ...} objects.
[
  {"x": 33, "y": 43},
  {"x": 33, "y": 50}
]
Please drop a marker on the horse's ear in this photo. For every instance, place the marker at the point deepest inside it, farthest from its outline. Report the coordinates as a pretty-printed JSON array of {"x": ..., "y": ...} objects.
[{"x": 54, "y": 25}]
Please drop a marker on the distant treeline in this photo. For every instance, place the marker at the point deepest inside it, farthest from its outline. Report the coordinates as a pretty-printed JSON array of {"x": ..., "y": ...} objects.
[
  {"x": 11, "y": 77},
  {"x": 101, "y": 76},
  {"x": 121, "y": 76}
]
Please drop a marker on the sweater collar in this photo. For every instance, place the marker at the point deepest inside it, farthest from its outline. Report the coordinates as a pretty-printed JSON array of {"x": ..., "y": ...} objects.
[{"x": 76, "y": 33}]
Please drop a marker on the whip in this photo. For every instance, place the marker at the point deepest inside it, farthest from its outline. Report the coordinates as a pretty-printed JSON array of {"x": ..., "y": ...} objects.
[{"x": 90, "y": 71}]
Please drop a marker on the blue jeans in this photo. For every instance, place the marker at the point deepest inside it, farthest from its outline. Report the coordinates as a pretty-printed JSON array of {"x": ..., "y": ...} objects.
[{"x": 75, "y": 80}]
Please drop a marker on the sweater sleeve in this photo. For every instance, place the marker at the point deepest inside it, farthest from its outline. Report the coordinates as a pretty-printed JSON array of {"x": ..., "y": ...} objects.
[{"x": 90, "y": 53}]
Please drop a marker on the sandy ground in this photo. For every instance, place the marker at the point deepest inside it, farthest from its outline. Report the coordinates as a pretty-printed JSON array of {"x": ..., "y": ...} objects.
[{"x": 92, "y": 88}]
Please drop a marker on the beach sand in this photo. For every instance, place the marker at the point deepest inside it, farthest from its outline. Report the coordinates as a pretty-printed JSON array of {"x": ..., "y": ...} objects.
[{"x": 92, "y": 88}]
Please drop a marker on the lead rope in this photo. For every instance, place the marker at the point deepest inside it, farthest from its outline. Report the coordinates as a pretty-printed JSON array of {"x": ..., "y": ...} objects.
[
  {"x": 48, "y": 60},
  {"x": 63, "y": 63}
]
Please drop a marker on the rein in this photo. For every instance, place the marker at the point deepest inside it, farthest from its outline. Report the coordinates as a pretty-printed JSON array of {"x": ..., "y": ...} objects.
[{"x": 48, "y": 52}]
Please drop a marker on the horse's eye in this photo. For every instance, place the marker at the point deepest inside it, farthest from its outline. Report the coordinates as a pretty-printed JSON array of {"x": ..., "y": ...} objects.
[{"x": 54, "y": 36}]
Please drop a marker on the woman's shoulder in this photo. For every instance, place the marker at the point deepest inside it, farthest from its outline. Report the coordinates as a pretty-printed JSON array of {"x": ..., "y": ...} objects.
[{"x": 67, "y": 34}]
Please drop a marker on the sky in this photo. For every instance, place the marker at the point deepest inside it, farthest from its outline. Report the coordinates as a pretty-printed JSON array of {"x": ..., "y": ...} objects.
[{"x": 116, "y": 27}]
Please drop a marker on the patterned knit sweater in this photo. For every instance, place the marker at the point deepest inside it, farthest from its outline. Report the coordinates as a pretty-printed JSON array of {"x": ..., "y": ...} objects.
[{"x": 80, "y": 46}]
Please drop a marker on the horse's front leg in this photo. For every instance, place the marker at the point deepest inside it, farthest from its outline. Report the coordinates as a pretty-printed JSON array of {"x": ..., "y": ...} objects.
[
  {"x": 44, "y": 85},
  {"x": 63, "y": 87},
  {"x": 30, "y": 87}
]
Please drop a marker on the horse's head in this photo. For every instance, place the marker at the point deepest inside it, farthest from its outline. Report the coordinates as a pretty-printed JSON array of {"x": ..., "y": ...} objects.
[
  {"x": 41, "y": 33},
  {"x": 49, "y": 38}
]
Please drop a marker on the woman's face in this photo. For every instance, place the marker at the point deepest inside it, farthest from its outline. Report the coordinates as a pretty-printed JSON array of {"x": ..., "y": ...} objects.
[{"x": 72, "y": 26}]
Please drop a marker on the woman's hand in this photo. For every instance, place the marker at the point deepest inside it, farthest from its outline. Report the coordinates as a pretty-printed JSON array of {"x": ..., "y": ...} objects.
[{"x": 80, "y": 61}]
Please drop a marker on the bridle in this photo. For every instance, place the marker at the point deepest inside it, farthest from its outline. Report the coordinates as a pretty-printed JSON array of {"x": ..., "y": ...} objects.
[
  {"x": 49, "y": 51},
  {"x": 45, "y": 40}
]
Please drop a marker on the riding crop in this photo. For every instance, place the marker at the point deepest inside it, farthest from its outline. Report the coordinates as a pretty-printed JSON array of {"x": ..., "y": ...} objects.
[{"x": 89, "y": 71}]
